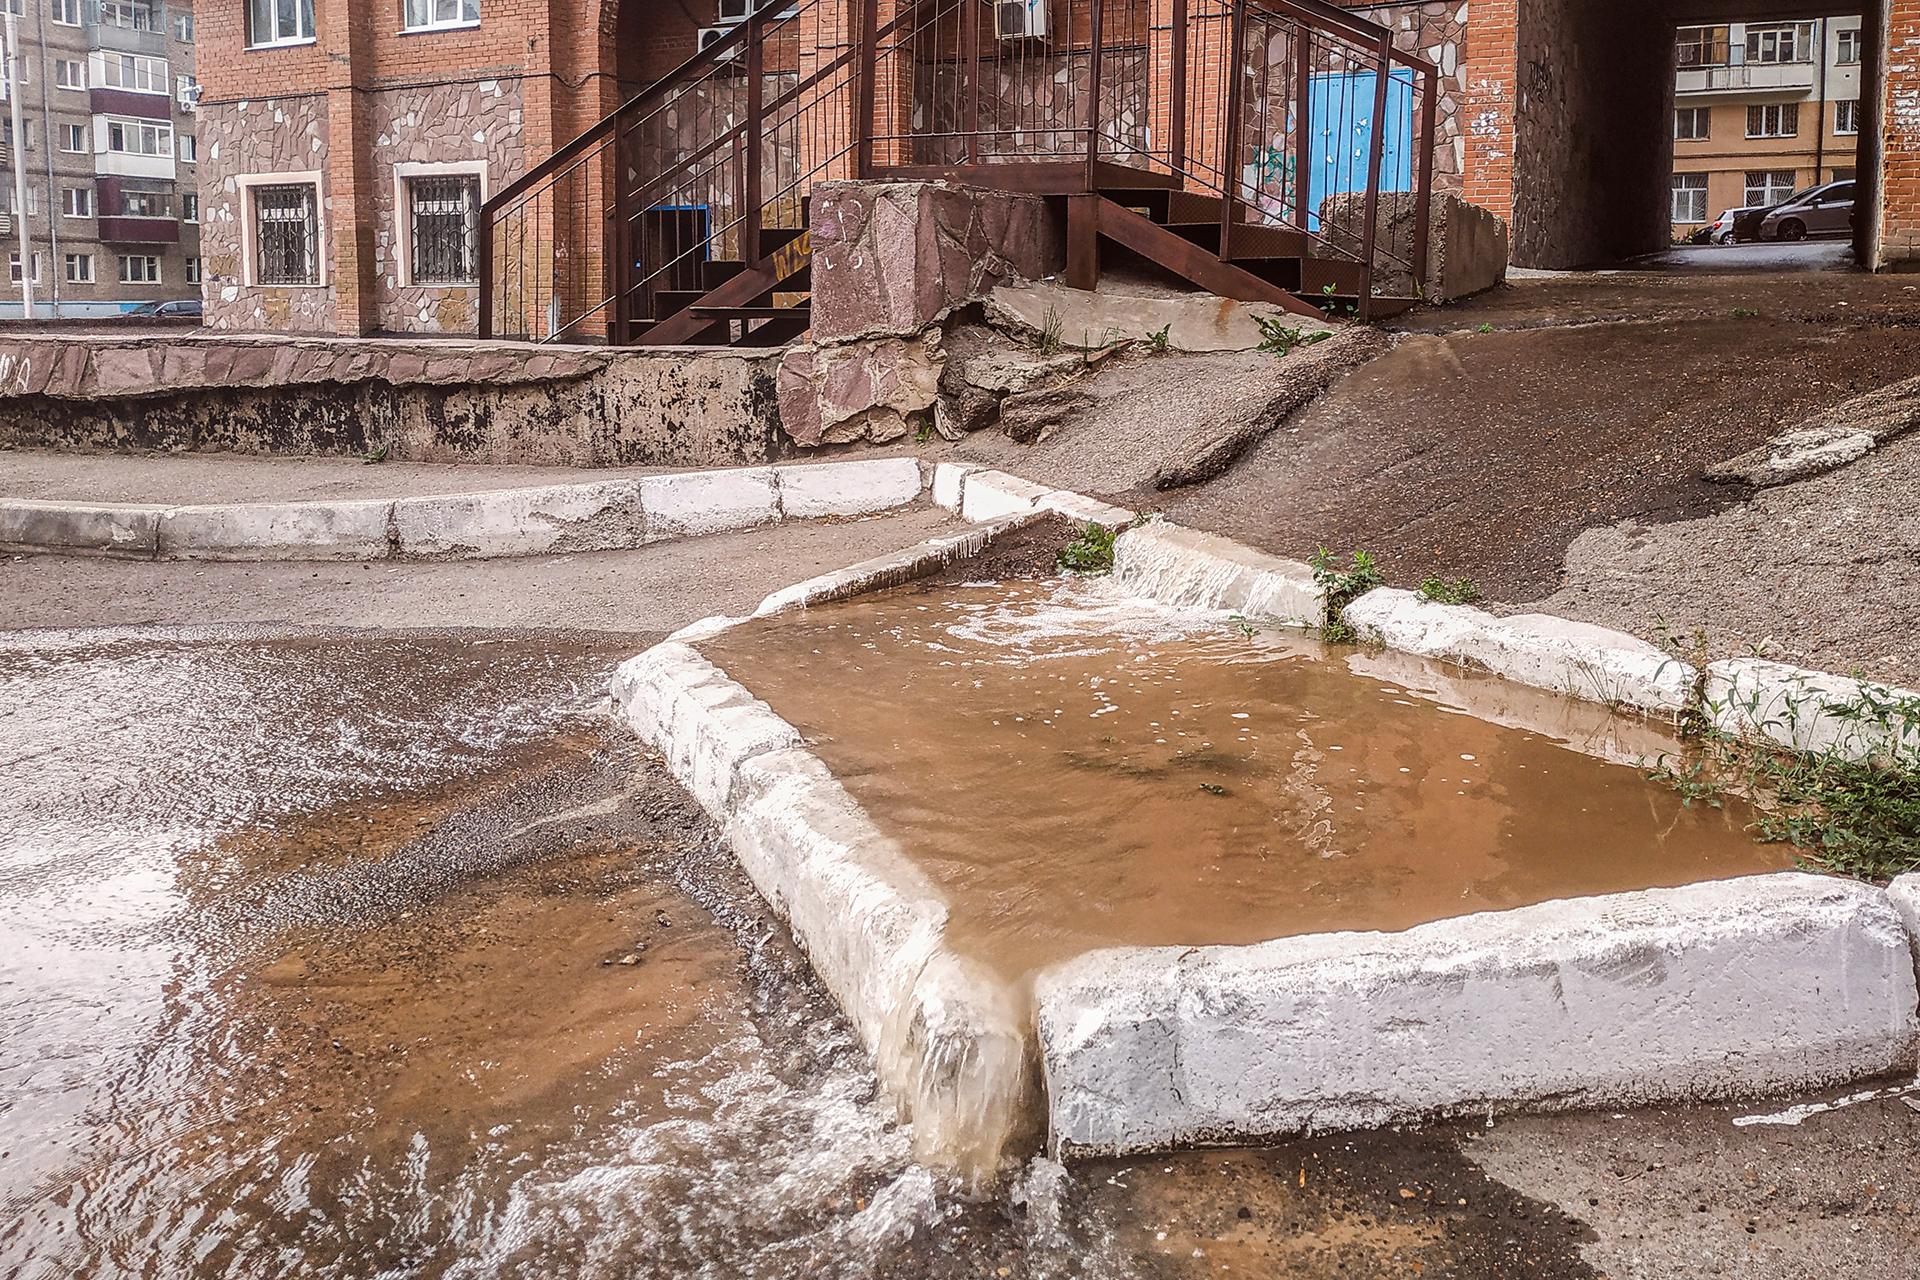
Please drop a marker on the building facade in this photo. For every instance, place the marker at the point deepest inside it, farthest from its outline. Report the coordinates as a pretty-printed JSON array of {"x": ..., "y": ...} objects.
[
  {"x": 1761, "y": 111},
  {"x": 347, "y": 144},
  {"x": 106, "y": 92}
]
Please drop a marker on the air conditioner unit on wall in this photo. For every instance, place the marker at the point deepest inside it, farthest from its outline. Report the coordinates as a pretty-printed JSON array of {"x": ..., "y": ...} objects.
[
  {"x": 714, "y": 35},
  {"x": 1020, "y": 19}
]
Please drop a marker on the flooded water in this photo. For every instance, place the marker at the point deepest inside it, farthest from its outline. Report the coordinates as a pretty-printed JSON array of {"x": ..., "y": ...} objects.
[
  {"x": 1079, "y": 771},
  {"x": 361, "y": 956}
]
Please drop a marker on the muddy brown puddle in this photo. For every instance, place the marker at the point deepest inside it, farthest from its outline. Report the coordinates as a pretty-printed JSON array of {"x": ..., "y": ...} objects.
[{"x": 1080, "y": 771}]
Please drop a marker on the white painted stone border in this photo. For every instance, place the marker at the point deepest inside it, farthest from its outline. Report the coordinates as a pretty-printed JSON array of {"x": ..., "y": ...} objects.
[
  {"x": 949, "y": 1042},
  {"x": 1721, "y": 990},
  {"x": 617, "y": 513},
  {"x": 1813, "y": 711}
]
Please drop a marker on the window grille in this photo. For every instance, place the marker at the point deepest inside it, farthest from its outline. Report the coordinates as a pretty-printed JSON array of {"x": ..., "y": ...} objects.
[
  {"x": 446, "y": 229},
  {"x": 288, "y": 235}
]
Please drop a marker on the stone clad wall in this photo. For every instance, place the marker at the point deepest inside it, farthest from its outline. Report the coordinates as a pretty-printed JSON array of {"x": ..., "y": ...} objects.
[
  {"x": 1436, "y": 31},
  {"x": 266, "y": 135},
  {"x": 436, "y": 125}
]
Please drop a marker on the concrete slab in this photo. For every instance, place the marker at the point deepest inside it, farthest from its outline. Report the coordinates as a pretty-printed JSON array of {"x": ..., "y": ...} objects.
[
  {"x": 69, "y": 528},
  {"x": 1574, "y": 658},
  {"x": 1813, "y": 711},
  {"x": 276, "y": 531},
  {"x": 696, "y": 502},
  {"x": 1724, "y": 990},
  {"x": 810, "y": 492},
  {"x": 600, "y": 516},
  {"x": 1189, "y": 569}
]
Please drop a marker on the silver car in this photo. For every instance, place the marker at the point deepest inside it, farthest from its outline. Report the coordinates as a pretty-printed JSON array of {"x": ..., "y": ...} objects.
[{"x": 1818, "y": 211}]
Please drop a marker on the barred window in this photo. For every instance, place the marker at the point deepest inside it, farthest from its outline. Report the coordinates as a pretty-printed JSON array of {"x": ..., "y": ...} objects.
[
  {"x": 446, "y": 228},
  {"x": 287, "y": 233}
]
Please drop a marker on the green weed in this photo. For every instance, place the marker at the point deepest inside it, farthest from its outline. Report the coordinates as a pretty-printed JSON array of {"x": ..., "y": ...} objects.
[
  {"x": 1341, "y": 588},
  {"x": 377, "y": 456},
  {"x": 1050, "y": 330},
  {"x": 1090, "y": 553},
  {"x": 1276, "y": 338},
  {"x": 1449, "y": 590},
  {"x": 1160, "y": 339}
]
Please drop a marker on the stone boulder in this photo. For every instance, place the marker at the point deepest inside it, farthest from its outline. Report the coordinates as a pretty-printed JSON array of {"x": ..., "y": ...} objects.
[{"x": 1466, "y": 245}]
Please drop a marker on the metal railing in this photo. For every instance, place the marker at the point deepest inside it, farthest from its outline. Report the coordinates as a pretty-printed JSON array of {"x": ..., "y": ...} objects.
[{"x": 1293, "y": 113}]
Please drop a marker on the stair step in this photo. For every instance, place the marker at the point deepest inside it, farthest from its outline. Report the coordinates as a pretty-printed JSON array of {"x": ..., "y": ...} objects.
[
  {"x": 774, "y": 239},
  {"x": 1163, "y": 205},
  {"x": 776, "y": 332},
  {"x": 667, "y": 302},
  {"x": 1345, "y": 278},
  {"x": 718, "y": 271},
  {"x": 1247, "y": 241},
  {"x": 748, "y": 313}
]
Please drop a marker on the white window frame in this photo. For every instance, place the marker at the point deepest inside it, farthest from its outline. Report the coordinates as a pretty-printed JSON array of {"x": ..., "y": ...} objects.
[
  {"x": 1747, "y": 187},
  {"x": 161, "y": 128},
  {"x": 125, "y": 71},
  {"x": 1703, "y": 117},
  {"x": 1694, "y": 187},
  {"x": 73, "y": 207},
  {"x": 65, "y": 13},
  {"x": 1779, "y": 44},
  {"x": 412, "y": 25},
  {"x": 280, "y": 40},
  {"x": 195, "y": 270},
  {"x": 186, "y": 147},
  {"x": 190, "y": 207},
  {"x": 249, "y": 237},
  {"x": 1782, "y": 113},
  {"x": 1846, "y": 117},
  {"x": 13, "y": 266},
  {"x": 159, "y": 269},
  {"x": 1847, "y": 46},
  {"x": 71, "y": 131},
  {"x": 70, "y": 74},
  {"x": 84, "y": 263},
  {"x": 403, "y": 174}
]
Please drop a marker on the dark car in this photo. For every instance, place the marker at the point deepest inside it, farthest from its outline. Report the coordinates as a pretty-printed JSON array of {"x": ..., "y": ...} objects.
[
  {"x": 1825, "y": 210},
  {"x": 1737, "y": 225},
  {"x": 177, "y": 309}
]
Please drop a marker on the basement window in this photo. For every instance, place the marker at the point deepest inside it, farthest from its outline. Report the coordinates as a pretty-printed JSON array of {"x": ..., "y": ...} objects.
[
  {"x": 286, "y": 235},
  {"x": 438, "y": 15},
  {"x": 445, "y": 213}
]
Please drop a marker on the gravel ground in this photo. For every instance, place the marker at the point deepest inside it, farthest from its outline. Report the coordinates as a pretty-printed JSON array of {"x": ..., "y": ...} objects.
[{"x": 1824, "y": 572}]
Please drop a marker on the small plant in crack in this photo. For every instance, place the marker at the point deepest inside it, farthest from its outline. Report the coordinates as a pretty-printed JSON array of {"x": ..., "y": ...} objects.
[
  {"x": 1160, "y": 339},
  {"x": 1240, "y": 623},
  {"x": 377, "y": 456},
  {"x": 1278, "y": 338},
  {"x": 1051, "y": 327},
  {"x": 1449, "y": 590},
  {"x": 1484, "y": 328},
  {"x": 1341, "y": 587},
  {"x": 1090, "y": 553}
]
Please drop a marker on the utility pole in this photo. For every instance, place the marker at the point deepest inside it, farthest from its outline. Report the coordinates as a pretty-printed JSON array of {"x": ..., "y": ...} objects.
[{"x": 19, "y": 157}]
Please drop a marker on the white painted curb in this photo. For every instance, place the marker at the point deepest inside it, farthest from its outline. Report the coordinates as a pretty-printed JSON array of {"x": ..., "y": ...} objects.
[
  {"x": 1721, "y": 990},
  {"x": 1574, "y": 658},
  {"x": 948, "y": 1041},
  {"x": 894, "y": 569},
  {"x": 980, "y": 495},
  {"x": 617, "y": 513},
  {"x": 1813, "y": 711},
  {"x": 1192, "y": 570}
]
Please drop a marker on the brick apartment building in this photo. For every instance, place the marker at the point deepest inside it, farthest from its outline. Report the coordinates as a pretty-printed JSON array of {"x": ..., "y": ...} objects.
[
  {"x": 112, "y": 205},
  {"x": 1762, "y": 110},
  {"x": 347, "y": 143}
]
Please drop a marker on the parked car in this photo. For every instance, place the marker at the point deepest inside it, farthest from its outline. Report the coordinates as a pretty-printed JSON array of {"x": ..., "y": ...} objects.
[
  {"x": 177, "y": 309},
  {"x": 1825, "y": 210},
  {"x": 1735, "y": 226}
]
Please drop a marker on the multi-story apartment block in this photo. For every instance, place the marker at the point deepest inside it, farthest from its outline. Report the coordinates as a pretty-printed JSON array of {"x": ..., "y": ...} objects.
[
  {"x": 1762, "y": 110},
  {"x": 106, "y": 95}
]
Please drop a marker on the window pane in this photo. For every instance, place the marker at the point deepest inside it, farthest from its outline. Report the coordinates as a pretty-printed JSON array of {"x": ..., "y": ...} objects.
[
  {"x": 285, "y": 226},
  {"x": 446, "y": 228}
]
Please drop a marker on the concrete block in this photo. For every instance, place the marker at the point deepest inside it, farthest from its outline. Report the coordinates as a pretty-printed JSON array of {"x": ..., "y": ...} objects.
[
  {"x": 1573, "y": 658},
  {"x": 949, "y": 480},
  {"x": 690, "y": 503},
  {"x": 599, "y": 516},
  {"x": 1904, "y": 893},
  {"x": 65, "y": 528},
  {"x": 1813, "y": 711},
  {"x": 1189, "y": 569},
  {"x": 1721, "y": 990},
  {"x": 276, "y": 531},
  {"x": 701, "y": 720},
  {"x": 892, "y": 569},
  {"x": 1079, "y": 507},
  {"x": 847, "y": 488},
  {"x": 993, "y": 495}
]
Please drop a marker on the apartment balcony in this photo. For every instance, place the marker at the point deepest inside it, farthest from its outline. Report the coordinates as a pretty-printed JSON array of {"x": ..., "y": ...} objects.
[
  {"x": 131, "y": 102},
  {"x": 129, "y": 26},
  {"x": 120, "y": 230},
  {"x": 1790, "y": 79}
]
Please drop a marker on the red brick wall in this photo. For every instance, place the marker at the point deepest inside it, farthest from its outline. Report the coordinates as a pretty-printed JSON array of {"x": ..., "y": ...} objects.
[{"x": 1899, "y": 232}]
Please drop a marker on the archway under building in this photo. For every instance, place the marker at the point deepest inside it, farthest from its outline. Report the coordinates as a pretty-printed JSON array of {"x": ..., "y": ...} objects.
[{"x": 1571, "y": 128}]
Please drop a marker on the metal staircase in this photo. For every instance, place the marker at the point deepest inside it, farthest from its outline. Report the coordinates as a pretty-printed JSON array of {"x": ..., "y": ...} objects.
[{"x": 1241, "y": 145}]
